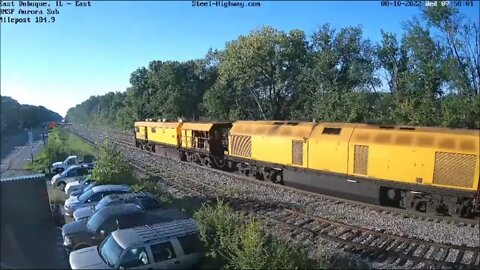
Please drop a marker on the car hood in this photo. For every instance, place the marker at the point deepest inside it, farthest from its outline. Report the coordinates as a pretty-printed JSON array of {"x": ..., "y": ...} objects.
[
  {"x": 75, "y": 192},
  {"x": 56, "y": 164},
  {"x": 75, "y": 227},
  {"x": 87, "y": 258},
  {"x": 71, "y": 184},
  {"x": 72, "y": 201},
  {"x": 56, "y": 177},
  {"x": 83, "y": 212}
]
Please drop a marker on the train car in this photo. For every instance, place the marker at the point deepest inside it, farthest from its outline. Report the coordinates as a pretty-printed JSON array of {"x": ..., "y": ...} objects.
[
  {"x": 203, "y": 143},
  {"x": 427, "y": 169},
  {"x": 163, "y": 138},
  {"x": 52, "y": 125}
]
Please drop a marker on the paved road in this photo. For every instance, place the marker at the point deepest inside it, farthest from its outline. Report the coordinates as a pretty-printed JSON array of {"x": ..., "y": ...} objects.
[{"x": 16, "y": 152}]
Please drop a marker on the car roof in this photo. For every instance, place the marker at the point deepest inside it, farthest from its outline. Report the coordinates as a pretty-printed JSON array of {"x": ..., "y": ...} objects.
[
  {"x": 73, "y": 167},
  {"x": 119, "y": 209},
  {"x": 150, "y": 233},
  {"x": 131, "y": 195},
  {"x": 111, "y": 188}
]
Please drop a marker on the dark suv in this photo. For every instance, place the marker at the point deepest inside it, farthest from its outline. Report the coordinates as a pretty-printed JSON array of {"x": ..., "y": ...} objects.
[
  {"x": 144, "y": 199},
  {"x": 89, "y": 232}
]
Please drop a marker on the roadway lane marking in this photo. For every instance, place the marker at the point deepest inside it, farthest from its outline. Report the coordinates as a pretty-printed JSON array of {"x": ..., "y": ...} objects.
[{"x": 15, "y": 156}]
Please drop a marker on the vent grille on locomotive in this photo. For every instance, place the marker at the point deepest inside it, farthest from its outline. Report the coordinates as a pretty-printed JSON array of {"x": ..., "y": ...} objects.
[
  {"x": 242, "y": 146},
  {"x": 360, "y": 163},
  {"x": 454, "y": 169},
  {"x": 297, "y": 152}
]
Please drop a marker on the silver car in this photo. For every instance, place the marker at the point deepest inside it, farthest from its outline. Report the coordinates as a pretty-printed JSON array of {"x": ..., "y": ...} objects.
[
  {"x": 74, "y": 173},
  {"x": 167, "y": 245},
  {"x": 92, "y": 197}
]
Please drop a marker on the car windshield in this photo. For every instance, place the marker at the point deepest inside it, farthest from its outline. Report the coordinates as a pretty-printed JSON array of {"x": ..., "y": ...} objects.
[
  {"x": 110, "y": 251},
  {"x": 103, "y": 202},
  {"x": 65, "y": 173},
  {"x": 85, "y": 195},
  {"x": 95, "y": 221},
  {"x": 85, "y": 181},
  {"x": 90, "y": 186}
]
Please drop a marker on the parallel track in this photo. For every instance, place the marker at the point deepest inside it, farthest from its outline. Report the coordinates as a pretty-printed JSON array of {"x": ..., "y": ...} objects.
[{"x": 375, "y": 245}]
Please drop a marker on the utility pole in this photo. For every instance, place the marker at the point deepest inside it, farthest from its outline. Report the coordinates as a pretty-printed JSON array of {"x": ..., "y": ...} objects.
[{"x": 30, "y": 139}]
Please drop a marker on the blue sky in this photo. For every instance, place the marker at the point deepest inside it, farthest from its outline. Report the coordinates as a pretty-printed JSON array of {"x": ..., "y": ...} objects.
[{"x": 92, "y": 50}]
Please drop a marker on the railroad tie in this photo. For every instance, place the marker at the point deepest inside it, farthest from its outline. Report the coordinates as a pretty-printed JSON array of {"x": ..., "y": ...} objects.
[
  {"x": 434, "y": 253},
  {"x": 382, "y": 255},
  {"x": 323, "y": 228},
  {"x": 348, "y": 239},
  {"x": 421, "y": 255},
  {"x": 391, "y": 259},
  {"x": 306, "y": 222},
  {"x": 459, "y": 258},
  {"x": 412, "y": 249},
  {"x": 473, "y": 262},
  {"x": 342, "y": 232},
  {"x": 366, "y": 246}
]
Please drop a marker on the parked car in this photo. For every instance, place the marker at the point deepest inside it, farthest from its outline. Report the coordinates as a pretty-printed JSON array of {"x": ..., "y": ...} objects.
[
  {"x": 61, "y": 166},
  {"x": 78, "y": 186},
  {"x": 92, "y": 197},
  {"x": 168, "y": 245},
  {"x": 73, "y": 173},
  {"x": 79, "y": 192},
  {"x": 144, "y": 199},
  {"x": 89, "y": 232}
]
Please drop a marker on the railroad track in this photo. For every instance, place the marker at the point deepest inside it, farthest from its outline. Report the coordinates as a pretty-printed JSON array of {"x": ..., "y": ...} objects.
[{"x": 370, "y": 244}]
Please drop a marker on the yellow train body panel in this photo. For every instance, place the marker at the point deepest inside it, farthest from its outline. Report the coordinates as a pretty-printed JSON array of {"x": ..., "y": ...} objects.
[
  {"x": 140, "y": 130},
  {"x": 328, "y": 147},
  {"x": 427, "y": 156},
  {"x": 278, "y": 142},
  {"x": 167, "y": 133},
  {"x": 439, "y": 157}
]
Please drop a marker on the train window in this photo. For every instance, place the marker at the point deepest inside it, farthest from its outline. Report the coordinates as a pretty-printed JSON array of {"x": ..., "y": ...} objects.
[
  {"x": 292, "y": 123},
  {"x": 154, "y": 130},
  {"x": 407, "y": 128},
  {"x": 137, "y": 129},
  {"x": 278, "y": 123},
  {"x": 331, "y": 131},
  {"x": 387, "y": 127}
]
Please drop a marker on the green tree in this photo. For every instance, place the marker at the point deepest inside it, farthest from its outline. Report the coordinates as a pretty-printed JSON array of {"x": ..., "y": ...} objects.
[
  {"x": 418, "y": 100},
  {"x": 461, "y": 41},
  {"x": 342, "y": 73},
  {"x": 258, "y": 75},
  {"x": 112, "y": 167}
]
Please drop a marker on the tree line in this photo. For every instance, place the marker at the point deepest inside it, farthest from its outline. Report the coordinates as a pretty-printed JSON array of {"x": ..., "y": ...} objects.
[
  {"x": 16, "y": 116},
  {"x": 429, "y": 76}
]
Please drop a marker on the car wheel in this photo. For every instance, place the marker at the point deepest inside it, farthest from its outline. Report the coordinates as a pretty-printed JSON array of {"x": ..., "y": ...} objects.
[{"x": 61, "y": 186}]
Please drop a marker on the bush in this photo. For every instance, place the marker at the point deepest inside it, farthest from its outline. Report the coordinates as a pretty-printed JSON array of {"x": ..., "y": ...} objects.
[
  {"x": 60, "y": 145},
  {"x": 161, "y": 194},
  {"x": 112, "y": 167},
  {"x": 245, "y": 244}
]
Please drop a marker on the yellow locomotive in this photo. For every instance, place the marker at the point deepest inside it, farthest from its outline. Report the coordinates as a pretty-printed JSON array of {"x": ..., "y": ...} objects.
[{"x": 422, "y": 168}]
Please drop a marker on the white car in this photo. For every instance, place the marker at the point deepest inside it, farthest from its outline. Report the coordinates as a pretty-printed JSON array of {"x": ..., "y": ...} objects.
[{"x": 77, "y": 186}]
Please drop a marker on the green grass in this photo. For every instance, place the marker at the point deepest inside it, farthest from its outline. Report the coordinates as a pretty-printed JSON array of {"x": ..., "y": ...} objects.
[{"x": 60, "y": 145}]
